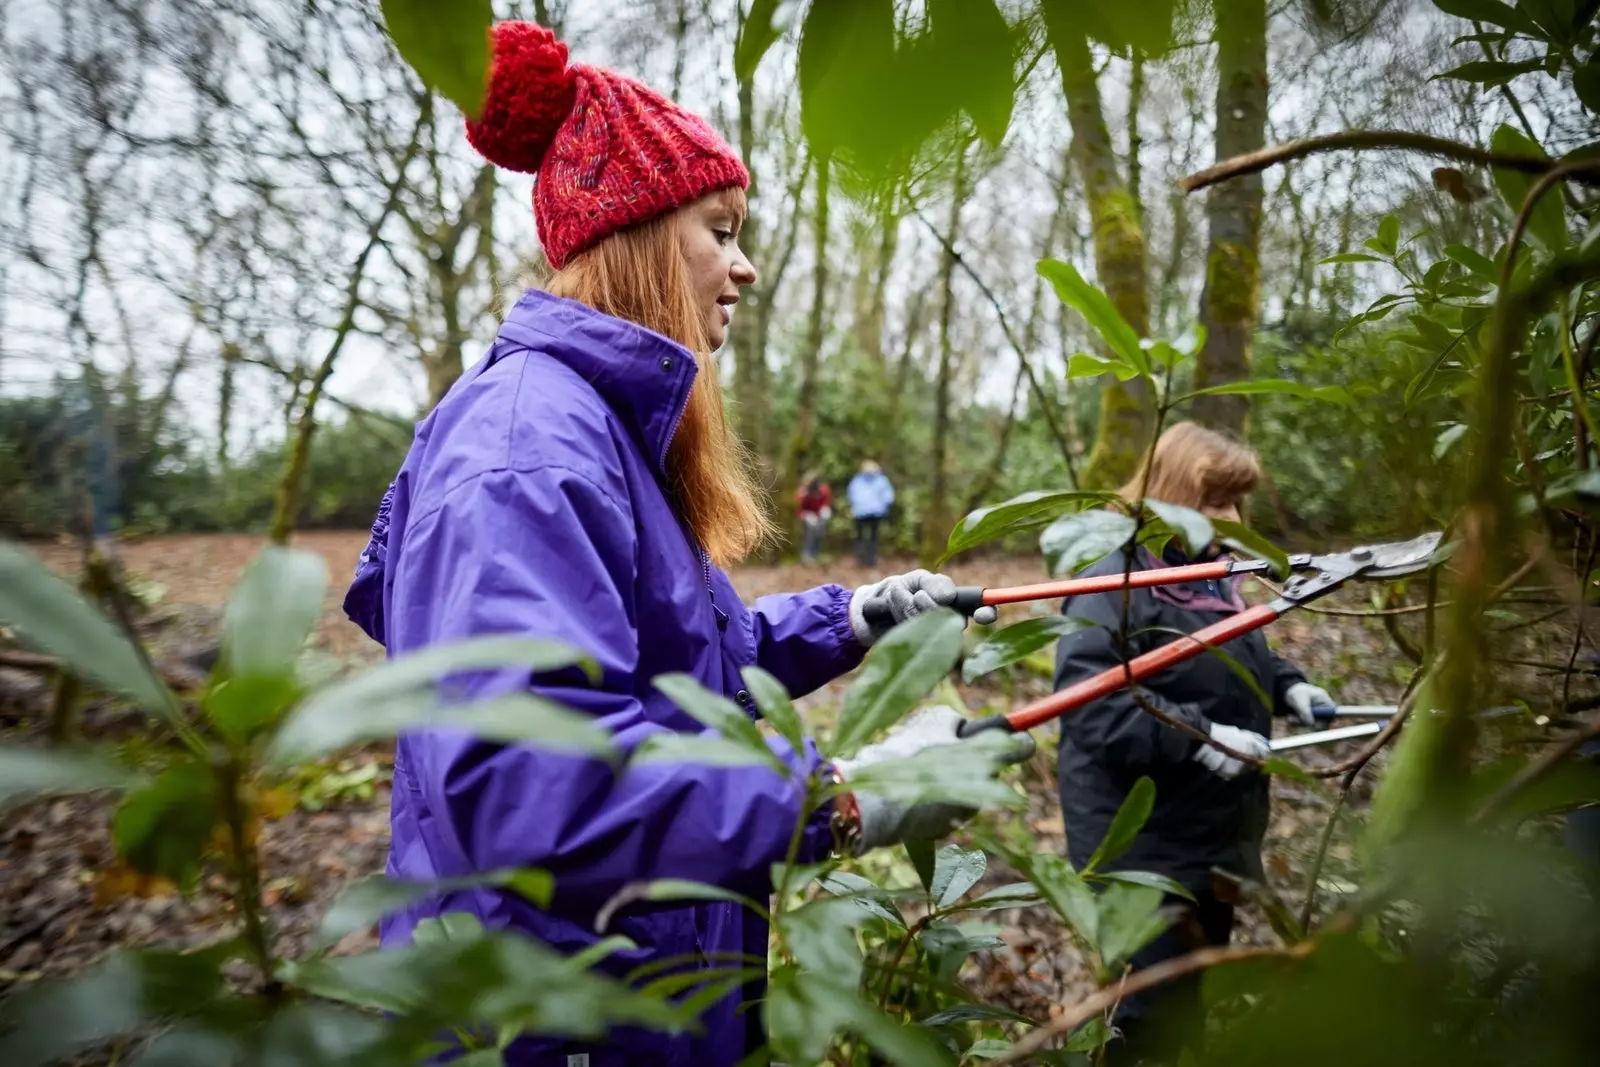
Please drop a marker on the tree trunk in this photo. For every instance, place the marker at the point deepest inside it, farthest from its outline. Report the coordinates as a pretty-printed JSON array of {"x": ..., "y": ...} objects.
[
  {"x": 1126, "y": 408},
  {"x": 936, "y": 518},
  {"x": 872, "y": 286},
  {"x": 1229, "y": 301},
  {"x": 811, "y": 356},
  {"x": 750, "y": 393}
]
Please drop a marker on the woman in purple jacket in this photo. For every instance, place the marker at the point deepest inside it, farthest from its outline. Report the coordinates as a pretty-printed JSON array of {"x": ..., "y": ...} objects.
[{"x": 580, "y": 483}]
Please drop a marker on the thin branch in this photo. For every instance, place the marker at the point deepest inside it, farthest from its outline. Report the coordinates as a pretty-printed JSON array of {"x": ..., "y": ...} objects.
[
  {"x": 1381, "y": 140},
  {"x": 1548, "y": 760}
]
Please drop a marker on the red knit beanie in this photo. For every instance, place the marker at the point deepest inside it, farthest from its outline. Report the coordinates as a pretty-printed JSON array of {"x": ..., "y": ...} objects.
[{"x": 609, "y": 151}]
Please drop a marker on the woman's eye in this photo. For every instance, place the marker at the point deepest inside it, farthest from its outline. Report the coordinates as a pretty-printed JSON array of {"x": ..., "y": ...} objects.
[{"x": 723, "y": 236}]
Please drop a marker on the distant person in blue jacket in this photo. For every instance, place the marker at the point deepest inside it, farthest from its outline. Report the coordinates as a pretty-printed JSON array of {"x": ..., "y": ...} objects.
[{"x": 871, "y": 495}]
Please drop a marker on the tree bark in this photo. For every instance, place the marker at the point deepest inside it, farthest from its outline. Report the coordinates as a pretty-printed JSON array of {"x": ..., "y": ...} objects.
[
  {"x": 1229, "y": 301},
  {"x": 936, "y": 518},
  {"x": 811, "y": 355},
  {"x": 1126, "y": 408}
]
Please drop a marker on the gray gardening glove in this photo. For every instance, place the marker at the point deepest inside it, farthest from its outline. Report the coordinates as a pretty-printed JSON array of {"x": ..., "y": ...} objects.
[
  {"x": 1223, "y": 765},
  {"x": 877, "y": 608},
  {"x": 885, "y": 821}
]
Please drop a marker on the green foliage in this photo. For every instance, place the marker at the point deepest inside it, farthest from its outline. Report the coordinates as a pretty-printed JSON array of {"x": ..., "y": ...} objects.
[{"x": 449, "y": 49}]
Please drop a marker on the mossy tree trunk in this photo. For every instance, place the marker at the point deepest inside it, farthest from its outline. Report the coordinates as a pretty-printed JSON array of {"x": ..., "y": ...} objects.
[{"x": 1229, "y": 301}]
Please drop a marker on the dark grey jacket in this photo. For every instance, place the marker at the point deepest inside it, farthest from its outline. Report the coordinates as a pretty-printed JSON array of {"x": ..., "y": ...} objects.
[{"x": 1200, "y": 820}]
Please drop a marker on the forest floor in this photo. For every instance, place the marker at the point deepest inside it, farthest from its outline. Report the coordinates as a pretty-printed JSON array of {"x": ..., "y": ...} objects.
[{"x": 62, "y": 912}]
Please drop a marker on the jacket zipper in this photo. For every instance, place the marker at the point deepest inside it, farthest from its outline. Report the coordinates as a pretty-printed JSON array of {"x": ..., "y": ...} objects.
[{"x": 705, "y": 575}]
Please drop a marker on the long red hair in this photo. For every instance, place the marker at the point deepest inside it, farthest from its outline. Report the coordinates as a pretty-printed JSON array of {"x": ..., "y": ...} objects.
[{"x": 639, "y": 274}]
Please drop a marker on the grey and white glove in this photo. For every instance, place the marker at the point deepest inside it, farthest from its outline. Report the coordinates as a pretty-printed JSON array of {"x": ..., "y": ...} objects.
[
  {"x": 1303, "y": 699},
  {"x": 1219, "y": 762},
  {"x": 887, "y": 821},
  {"x": 877, "y": 608}
]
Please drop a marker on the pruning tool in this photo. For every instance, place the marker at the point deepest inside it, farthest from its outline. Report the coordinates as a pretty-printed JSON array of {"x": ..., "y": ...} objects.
[
  {"x": 1318, "y": 576},
  {"x": 1381, "y": 712}
]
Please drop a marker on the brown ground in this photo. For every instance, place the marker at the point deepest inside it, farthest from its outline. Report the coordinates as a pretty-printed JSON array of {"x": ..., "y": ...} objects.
[{"x": 52, "y": 855}]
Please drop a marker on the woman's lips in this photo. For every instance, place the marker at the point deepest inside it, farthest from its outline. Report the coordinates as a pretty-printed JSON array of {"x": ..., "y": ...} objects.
[{"x": 727, "y": 315}]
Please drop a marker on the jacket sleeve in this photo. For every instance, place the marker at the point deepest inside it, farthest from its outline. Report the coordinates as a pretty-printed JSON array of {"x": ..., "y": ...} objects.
[
  {"x": 1115, "y": 730},
  {"x": 549, "y": 554},
  {"x": 804, "y": 639},
  {"x": 1284, "y": 676}
]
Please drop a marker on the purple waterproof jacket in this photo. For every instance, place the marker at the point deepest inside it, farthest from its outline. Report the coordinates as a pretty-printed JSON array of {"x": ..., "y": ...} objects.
[{"x": 531, "y": 503}]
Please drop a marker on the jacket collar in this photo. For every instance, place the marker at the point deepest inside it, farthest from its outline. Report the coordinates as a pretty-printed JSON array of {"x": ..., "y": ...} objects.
[{"x": 643, "y": 376}]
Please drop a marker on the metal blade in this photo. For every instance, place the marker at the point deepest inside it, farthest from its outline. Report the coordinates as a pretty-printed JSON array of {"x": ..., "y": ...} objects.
[
  {"x": 1325, "y": 737},
  {"x": 1393, "y": 560}
]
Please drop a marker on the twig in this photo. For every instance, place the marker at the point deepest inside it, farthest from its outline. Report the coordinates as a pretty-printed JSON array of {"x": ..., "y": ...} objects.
[
  {"x": 1548, "y": 760},
  {"x": 1383, "y": 140},
  {"x": 1138, "y": 982},
  {"x": 1577, "y": 636},
  {"x": 1384, "y": 736}
]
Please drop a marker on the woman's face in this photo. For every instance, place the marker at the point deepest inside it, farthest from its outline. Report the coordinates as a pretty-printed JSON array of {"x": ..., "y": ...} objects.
[
  {"x": 708, "y": 231},
  {"x": 1227, "y": 512}
]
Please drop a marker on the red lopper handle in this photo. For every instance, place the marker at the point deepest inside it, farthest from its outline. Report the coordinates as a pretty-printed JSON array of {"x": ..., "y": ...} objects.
[
  {"x": 1107, "y": 583},
  {"x": 1140, "y": 667}
]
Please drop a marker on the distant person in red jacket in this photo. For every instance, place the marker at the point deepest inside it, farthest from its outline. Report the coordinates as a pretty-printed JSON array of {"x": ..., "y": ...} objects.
[{"x": 814, "y": 500}]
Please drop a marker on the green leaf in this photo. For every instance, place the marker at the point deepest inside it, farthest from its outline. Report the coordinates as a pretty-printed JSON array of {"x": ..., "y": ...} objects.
[
  {"x": 1023, "y": 512},
  {"x": 1586, "y": 83},
  {"x": 772, "y": 699},
  {"x": 1083, "y": 365},
  {"x": 867, "y": 896},
  {"x": 50, "y": 616},
  {"x": 758, "y": 34},
  {"x": 900, "y": 670},
  {"x": 1097, "y": 310},
  {"x": 515, "y": 718},
  {"x": 1493, "y": 12},
  {"x": 244, "y": 705},
  {"x": 272, "y": 610},
  {"x": 1090, "y": 1036},
  {"x": 163, "y": 828},
  {"x": 1067, "y": 893},
  {"x": 1389, "y": 234},
  {"x": 720, "y": 714},
  {"x": 1241, "y": 538},
  {"x": 956, "y": 871},
  {"x": 669, "y": 889},
  {"x": 30, "y": 773},
  {"x": 698, "y": 750},
  {"x": 1447, "y": 439},
  {"x": 974, "y": 34},
  {"x": 1491, "y": 73},
  {"x": 1478, "y": 264},
  {"x": 821, "y": 934},
  {"x": 804, "y": 1012},
  {"x": 962, "y": 775},
  {"x": 1130, "y": 918},
  {"x": 923, "y": 859},
  {"x": 1283, "y": 768},
  {"x": 1130, "y": 819},
  {"x": 1076, "y": 540},
  {"x": 447, "y": 45},
  {"x": 1332, "y": 394},
  {"x": 974, "y": 1013},
  {"x": 1547, "y": 225},
  {"x": 50, "y": 1020},
  {"x": 1005, "y": 647},
  {"x": 370, "y": 899},
  {"x": 1155, "y": 881},
  {"x": 1350, "y": 257},
  {"x": 1015, "y": 895},
  {"x": 1189, "y": 524}
]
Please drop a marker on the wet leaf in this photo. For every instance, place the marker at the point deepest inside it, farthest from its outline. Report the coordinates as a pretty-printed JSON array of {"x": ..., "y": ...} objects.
[
  {"x": 1195, "y": 529},
  {"x": 955, "y": 871},
  {"x": 1077, "y": 540}
]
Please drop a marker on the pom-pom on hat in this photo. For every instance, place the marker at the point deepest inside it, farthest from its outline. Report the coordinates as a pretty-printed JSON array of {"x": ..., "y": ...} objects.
[{"x": 609, "y": 151}]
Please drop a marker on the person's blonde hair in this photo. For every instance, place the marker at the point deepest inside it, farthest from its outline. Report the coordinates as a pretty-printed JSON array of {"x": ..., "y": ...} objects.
[
  {"x": 1195, "y": 468},
  {"x": 639, "y": 274}
]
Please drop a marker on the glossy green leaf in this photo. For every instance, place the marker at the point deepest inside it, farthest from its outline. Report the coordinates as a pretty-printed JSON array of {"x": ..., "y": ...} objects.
[
  {"x": 867, "y": 896},
  {"x": 803, "y": 1014},
  {"x": 1547, "y": 225},
  {"x": 30, "y": 773},
  {"x": 955, "y": 871},
  {"x": 962, "y": 775},
  {"x": 1083, "y": 365},
  {"x": 447, "y": 45},
  {"x": 1155, "y": 881},
  {"x": 718, "y": 713},
  {"x": 1447, "y": 439},
  {"x": 163, "y": 828},
  {"x": 515, "y": 718},
  {"x": 1130, "y": 918},
  {"x": 1389, "y": 234},
  {"x": 772, "y": 699},
  {"x": 1097, "y": 310},
  {"x": 370, "y": 899},
  {"x": 974, "y": 1013},
  {"x": 757, "y": 35},
  {"x": 974, "y": 34},
  {"x": 821, "y": 935},
  {"x": 1017, "y": 642},
  {"x": 923, "y": 859},
  {"x": 1130, "y": 819},
  {"x": 1480, "y": 266},
  {"x": 1066, "y": 892},
  {"x": 1015, "y": 895},
  {"x": 1490, "y": 73},
  {"x": 1350, "y": 257},
  {"x": 272, "y": 610},
  {"x": 1025, "y": 512},
  {"x": 50, "y": 616},
  {"x": 1090, "y": 1036},
  {"x": 243, "y": 705},
  {"x": 1243, "y": 539},
  {"x": 1189, "y": 524},
  {"x": 698, "y": 750},
  {"x": 1332, "y": 394},
  {"x": 1076, "y": 540},
  {"x": 900, "y": 670},
  {"x": 1282, "y": 768},
  {"x": 1493, "y": 12}
]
